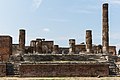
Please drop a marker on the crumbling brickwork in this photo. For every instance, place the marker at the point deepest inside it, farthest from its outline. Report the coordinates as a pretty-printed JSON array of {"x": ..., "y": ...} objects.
[
  {"x": 5, "y": 47},
  {"x": 63, "y": 70}
]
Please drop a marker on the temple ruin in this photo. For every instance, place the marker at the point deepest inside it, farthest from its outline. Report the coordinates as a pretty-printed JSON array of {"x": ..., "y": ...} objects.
[{"x": 43, "y": 58}]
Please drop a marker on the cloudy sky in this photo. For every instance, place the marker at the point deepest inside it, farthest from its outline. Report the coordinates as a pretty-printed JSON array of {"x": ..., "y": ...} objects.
[{"x": 58, "y": 20}]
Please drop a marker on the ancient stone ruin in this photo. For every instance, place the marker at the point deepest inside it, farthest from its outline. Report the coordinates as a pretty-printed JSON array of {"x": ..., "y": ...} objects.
[{"x": 43, "y": 58}]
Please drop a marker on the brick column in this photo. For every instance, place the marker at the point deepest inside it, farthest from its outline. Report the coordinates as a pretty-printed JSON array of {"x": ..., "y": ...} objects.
[
  {"x": 39, "y": 45},
  {"x": 22, "y": 40},
  {"x": 33, "y": 45},
  {"x": 88, "y": 41},
  {"x": 56, "y": 49},
  {"x": 105, "y": 29},
  {"x": 72, "y": 45}
]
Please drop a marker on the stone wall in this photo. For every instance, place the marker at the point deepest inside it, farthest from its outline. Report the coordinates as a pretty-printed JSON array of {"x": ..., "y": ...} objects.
[
  {"x": 63, "y": 70},
  {"x": 60, "y": 57},
  {"x": 2, "y": 70}
]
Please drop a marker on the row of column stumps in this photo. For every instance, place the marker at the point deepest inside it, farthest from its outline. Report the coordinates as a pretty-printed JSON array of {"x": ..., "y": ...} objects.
[{"x": 37, "y": 44}]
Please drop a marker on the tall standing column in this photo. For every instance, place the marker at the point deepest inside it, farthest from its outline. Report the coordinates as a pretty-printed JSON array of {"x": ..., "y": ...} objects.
[
  {"x": 72, "y": 46},
  {"x": 22, "y": 40},
  {"x": 105, "y": 29},
  {"x": 88, "y": 41}
]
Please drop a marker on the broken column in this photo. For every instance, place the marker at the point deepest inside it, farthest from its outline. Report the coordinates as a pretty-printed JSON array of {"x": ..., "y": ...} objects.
[
  {"x": 33, "y": 45},
  {"x": 72, "y": 46},
  {"x": 22, "y": 40},
  {"x": 105, "y": 29},
  {"x": 88, "y": 41},
  {"x": 99, "y": 48},
  {"x": 39, "y": 45},
  {"x": 55, "y": 49}
]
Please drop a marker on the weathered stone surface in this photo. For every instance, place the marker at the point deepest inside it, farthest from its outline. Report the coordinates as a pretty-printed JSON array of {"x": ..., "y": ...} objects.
[
  {"x": 105, "y": 29},
  {"x": 88, "y": 41},
  {"x": 63, "y": 70},
  {"x": 5, "y": 47}
]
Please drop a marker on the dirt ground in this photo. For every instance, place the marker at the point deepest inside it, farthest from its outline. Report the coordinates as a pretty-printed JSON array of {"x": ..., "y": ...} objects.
[{"x": 60, "y": 78}]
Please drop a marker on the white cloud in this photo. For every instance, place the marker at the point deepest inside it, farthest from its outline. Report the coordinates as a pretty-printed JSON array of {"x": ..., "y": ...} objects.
[
  {"x": 112, "y": 1},
  {"x": 46, "y": 29},
  {"x": 37, "y": 3},
  {"x": 115, "y": 1}
]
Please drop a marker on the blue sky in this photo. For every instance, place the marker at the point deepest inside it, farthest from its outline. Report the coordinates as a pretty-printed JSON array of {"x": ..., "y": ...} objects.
[{"x": 58, "y": 20}]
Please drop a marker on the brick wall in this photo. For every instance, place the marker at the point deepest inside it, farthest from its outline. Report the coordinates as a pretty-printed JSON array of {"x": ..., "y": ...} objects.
[
  {"x": 5, "y": 47},
  {"x": 63, "y": 70}
]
